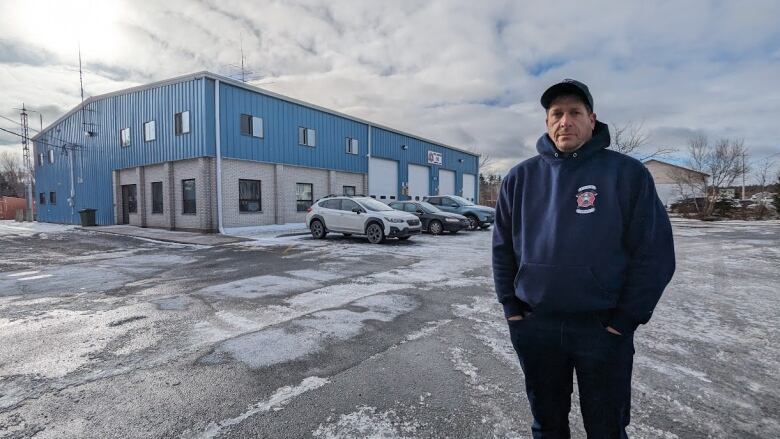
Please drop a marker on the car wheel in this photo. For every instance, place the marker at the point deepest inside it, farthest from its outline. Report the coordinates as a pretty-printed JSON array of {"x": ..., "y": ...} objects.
[
  {"x": 435, "y": 227},
  {"x": 473, "y": 222},
  {"x": 317, "y": 229},
  {"x": 403, "y": 238},
  {"x": 375, "y": 233}
]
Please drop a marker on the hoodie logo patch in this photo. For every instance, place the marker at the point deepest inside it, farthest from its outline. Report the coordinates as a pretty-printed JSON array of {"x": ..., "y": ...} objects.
[{"x": 586, "y": 199}]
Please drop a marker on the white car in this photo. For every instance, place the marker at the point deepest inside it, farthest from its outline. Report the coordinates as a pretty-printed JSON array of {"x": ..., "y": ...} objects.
[{"x": 360, "y": 216}]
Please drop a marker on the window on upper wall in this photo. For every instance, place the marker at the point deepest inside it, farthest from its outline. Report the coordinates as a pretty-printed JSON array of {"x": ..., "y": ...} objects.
[
  {"x": 252, "y": 126},
  {"x": 349, "y": 190},
  {"x": 42, "y": 198},
  {"x": 352, "y": 145},
  {"x": 149, "y": 131},
  {"x": 124, "y": 137},
  {"x": 40, "y": 158},
  {"x": 307, "y": 136},
  {"x": 52, "y": 197},
  {"x": 249, "y": 197},
  {"x": 157, "y": 197},
  {"x": 189, "y": 205},
  {"x": 181, "y": 123},
  {"x": 51, "y": 156},
  {"x": 303, "y": 196}
]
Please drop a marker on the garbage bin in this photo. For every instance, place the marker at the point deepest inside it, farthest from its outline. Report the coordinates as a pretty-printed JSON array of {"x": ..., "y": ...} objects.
[{"x": 87, "y": 217}]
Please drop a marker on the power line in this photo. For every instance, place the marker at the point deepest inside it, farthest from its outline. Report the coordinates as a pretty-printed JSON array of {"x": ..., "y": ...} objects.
[
  {"x": 53, "y": 137},
  {"x": 63, "y": 147}
]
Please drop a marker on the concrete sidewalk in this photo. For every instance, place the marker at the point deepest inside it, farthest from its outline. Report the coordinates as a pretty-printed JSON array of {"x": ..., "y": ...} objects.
[{"x": 168, "y": 235}]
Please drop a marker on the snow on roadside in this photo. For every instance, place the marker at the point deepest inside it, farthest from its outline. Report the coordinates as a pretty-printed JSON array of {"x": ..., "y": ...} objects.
[
  {"x": 367, "y": 422},
  {"x": 11, "y": 227}
]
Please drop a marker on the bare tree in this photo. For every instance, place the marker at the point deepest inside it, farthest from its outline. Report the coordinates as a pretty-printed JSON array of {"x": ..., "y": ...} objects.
[
  {"x": 13, "y": 174},
  {"x": 764, "y": 175},
  {"x": 632, "y": 139},
  {"x": 724, "y": 162}
]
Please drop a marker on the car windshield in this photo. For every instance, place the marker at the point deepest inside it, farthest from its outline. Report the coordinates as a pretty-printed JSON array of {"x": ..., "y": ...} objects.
[
  {"x": 374, "y": 205},
  {"x": 461, "y": 200},
  {"x": 429, "y": 208}
]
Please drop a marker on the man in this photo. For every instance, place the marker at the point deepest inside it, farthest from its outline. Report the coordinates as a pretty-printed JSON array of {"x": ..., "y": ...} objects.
[{"x": 582, "y": 250}]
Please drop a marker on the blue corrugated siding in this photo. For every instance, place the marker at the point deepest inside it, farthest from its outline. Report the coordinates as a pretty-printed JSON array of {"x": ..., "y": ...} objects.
[
  {"x": 102, "y": 153},
  {"x": 281, "y": 120},
  {"x": 387, "y": 144}
]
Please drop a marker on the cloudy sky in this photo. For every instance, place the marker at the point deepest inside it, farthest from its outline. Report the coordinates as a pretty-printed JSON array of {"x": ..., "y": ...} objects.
[{"x": 468, "y": 73}]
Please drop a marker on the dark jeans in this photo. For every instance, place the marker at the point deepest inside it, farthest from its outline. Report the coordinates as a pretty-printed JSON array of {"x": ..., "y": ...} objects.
[{"x": 550, "y": 349}]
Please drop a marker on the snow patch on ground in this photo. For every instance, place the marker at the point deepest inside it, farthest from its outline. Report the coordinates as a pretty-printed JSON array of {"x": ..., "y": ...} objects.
[
  {"x": 259, "y": 286},
  {"x": 369, "y": 423},
  {"x": 310, "y": 334},
  {"x": 275, "y": 402},
  {"x": 11, "y": 227}
]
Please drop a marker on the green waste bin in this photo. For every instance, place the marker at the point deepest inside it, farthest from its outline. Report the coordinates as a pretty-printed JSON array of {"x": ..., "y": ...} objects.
[{"x": 87, "y": 217}]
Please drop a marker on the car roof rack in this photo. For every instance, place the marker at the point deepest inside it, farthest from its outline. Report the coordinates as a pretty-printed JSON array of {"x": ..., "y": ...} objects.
[{"x": 337, "y": 195}]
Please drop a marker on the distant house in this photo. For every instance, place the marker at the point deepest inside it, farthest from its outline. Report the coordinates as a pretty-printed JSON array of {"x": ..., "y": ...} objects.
[
  {"x": 9, "y": 206},
  {"x": 668, "y": 179}
]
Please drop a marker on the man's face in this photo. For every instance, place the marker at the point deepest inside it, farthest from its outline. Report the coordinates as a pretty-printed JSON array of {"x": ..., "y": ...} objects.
[{"x": 569, "y": 124}]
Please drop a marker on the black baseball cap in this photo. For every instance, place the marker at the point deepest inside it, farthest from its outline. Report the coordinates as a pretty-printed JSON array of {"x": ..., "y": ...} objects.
[{"x": 567, "y": 87}]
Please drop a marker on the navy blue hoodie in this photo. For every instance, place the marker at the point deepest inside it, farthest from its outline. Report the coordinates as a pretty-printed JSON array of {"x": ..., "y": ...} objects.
[{"x": 582, "y": 232}]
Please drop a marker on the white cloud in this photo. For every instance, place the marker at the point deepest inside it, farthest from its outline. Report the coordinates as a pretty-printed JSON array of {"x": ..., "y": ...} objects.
[{"x": 460, "y": 72}]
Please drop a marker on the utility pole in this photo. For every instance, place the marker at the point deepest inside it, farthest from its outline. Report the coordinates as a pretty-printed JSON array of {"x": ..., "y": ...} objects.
[
  {"x": 27, "y": 165},
  {"x": 743, "y": 174}
]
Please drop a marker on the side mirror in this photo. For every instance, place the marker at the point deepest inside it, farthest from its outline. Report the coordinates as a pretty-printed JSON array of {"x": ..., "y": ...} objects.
[
  {"x": 420, "y": 212},
  {"x": 357, "y": 210}
]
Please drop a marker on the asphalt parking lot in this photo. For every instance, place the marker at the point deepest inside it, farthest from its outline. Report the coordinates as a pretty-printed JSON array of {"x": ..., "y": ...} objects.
[{"x": 111, "y": 336}]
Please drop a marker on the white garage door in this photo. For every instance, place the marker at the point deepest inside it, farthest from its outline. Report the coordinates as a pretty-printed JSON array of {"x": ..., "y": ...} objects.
[
  {"x": 446, "y": 182},
  {"x": 469, "y": 183},
  {"x": 383, "y": 179},
  {"x": 418, "y": 182}
]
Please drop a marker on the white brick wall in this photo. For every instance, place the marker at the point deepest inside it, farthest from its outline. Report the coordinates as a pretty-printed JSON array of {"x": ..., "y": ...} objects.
[
  {"x": 184, "y": 170},
  {"x": 234, "y": 170},
  {"x": 157, "y": 173},
  {"x": 278, "y": 192}
]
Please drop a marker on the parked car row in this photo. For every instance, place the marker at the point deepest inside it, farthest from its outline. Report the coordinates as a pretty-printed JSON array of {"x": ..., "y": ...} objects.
[{"x": 361, "y": 215}]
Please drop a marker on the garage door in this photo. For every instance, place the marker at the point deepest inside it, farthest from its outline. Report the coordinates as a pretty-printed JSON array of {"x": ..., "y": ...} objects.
[
  {"x": 383, "y": 179},
  {"x": 446, "y": 182},
  {"x": 468, "y": 187},
  {"x": 418, "y": 182}
]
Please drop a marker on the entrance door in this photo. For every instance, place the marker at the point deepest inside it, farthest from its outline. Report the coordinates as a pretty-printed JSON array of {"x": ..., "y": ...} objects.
[{"x": 128, "y": 202}]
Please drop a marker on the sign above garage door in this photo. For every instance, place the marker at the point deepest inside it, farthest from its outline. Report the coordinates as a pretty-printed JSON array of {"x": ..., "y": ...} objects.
[{"x": 434, "y": 158}]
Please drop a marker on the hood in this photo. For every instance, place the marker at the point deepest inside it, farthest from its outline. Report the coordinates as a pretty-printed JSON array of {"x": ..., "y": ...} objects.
[
  {"x": 600, "y": 140},
  {"x": 482, "y": 208},
  {"x": 450, "y": 215},
  {"x": 398, "y": 214}
]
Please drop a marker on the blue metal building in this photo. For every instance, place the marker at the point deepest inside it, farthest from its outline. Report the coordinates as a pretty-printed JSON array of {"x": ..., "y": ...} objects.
[{"x": 203, "y": 152}]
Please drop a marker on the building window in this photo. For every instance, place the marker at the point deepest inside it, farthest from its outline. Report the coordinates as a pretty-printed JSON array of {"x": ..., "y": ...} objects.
[
  {"x": 52, "y": 197},
  {"x": 349, "y": 190},
  {"x": 307, "y": 136},
  {"x": 42, "y": 198},
  {"x": 40, "y": 159},
  {"x": 188, "y": 197},
  {"x": 181, "y": 122},
  {"x": 249, "y": 196},
  {"x": 251, "y": 126},
  {"x": 157, "y": 197},
  {"x": 352, "y": 145},
  {"x": 304, "y": 196},
  {"x": 149, "y": 131},
  {"x": 124, "y": 137},
  {"x": 51, "y": 156}
]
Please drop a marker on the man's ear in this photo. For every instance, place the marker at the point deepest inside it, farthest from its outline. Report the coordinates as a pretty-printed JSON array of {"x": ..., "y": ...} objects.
[{"x": 592, "y": 120}]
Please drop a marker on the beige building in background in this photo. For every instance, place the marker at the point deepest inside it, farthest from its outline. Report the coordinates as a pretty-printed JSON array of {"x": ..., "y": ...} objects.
[{"x": 668, "y": 179}]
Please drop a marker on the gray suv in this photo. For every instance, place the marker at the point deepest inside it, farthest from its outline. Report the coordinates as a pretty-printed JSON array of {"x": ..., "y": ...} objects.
[{"x": 478, "y": 216}]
